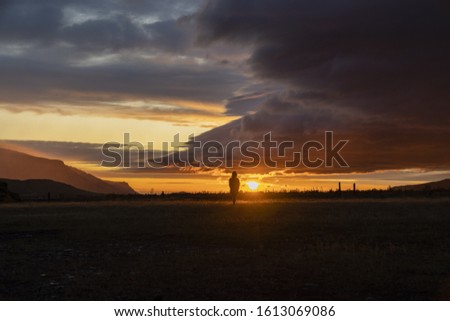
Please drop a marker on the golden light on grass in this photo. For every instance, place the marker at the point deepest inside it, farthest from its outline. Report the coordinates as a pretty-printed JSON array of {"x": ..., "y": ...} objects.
[{"x": 253, "y": 185}]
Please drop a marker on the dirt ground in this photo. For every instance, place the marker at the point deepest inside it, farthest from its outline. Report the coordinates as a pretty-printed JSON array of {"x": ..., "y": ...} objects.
[{"x": 395, "y": 249}]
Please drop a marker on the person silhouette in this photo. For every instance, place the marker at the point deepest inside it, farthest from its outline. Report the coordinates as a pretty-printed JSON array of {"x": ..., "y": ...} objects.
[{"x": 234, "y": 184}]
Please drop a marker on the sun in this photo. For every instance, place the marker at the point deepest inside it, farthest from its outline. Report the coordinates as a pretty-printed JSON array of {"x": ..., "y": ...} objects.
[{"x": 253, "y": 185}]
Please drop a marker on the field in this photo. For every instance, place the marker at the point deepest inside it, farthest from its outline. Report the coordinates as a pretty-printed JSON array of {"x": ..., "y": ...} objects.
[{"x": 395, "y": 249}]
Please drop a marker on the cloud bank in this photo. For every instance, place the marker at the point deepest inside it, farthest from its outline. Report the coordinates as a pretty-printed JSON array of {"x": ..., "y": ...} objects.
[{"x": 375, "y": 72}]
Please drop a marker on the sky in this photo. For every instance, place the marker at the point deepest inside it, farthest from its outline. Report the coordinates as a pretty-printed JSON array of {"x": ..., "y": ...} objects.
[{"x": 77, "y": 74}]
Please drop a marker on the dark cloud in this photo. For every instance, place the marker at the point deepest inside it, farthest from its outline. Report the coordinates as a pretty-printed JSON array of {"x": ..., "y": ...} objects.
[
  {"x": 157, "y": 9},
  {"x": 35, "y": 83},
  {"x": 291, "y": 119},
  {"x": 96, "y": 25},
  {"x": 77, "y": 55},
  {"x": 375, "y": 143},
  {"x": 170, "y": 35},
  {"x": 379, "y": 56},
  {"x": 66, "y": 151},
  {"x": 243, "y": 104},
  {"x": 121, "y": 32},
  {"x": 77, "y": 152},
  {"x": 30, "y": 22},
  {"x": 101, "y": 34},
  {"x": 139, "y": 78},
  {"x": 375, "y": 72}
]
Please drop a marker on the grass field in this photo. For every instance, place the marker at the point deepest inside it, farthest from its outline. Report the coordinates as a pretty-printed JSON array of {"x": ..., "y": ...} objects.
[{"x": 395, "y": 249}]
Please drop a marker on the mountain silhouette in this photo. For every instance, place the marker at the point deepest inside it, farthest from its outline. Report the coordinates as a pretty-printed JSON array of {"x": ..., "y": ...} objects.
[
  {"x": 20, "y": 166},
  {"x": 444, "y": 184},
  {"x": 41, "y": 188}
]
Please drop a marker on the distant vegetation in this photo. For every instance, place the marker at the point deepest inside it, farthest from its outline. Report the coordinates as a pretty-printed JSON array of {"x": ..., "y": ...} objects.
[{"x": 45, "y": 190}]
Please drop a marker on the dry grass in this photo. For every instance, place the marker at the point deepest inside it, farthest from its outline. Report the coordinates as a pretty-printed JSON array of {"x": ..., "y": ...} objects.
[{"x": 264, "y": 250}]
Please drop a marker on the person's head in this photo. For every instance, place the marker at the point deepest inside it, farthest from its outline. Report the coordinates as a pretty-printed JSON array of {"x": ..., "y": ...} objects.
[{"x": 234, "y": 174}]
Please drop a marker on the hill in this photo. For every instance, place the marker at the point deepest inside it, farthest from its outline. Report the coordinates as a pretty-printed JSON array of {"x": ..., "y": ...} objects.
[
  {"x": 441, "y": 185},
  {"x": 41, "y": 188},
  {"x": 20, "y": 166}
]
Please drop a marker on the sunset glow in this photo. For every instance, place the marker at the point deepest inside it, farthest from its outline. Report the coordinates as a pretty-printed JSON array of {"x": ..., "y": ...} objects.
[{"x": 253, "y": 185}]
